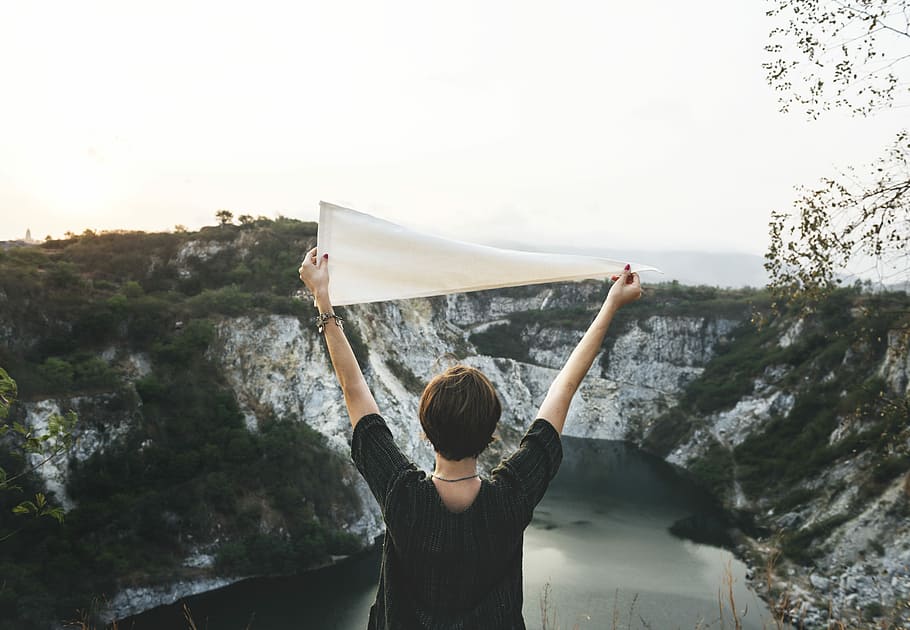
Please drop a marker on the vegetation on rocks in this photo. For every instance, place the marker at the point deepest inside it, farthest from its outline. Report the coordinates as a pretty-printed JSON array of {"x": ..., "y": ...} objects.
[
  {"x": 189, "y": 473},
  {"x": 188, "y": 476}
]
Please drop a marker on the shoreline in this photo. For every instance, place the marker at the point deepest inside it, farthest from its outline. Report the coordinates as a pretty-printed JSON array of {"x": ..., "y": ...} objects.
[{"x": 137, "y": 600}]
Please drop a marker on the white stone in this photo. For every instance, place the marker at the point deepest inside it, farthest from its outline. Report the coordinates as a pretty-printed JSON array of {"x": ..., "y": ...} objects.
[
  {"x": 131, "y": 601},
  {"x": 199, "y": 560},
  {"x": 895, "y": 367},
  {"x": 818, "y": 582},
  {"x": 792, "y": 334}
]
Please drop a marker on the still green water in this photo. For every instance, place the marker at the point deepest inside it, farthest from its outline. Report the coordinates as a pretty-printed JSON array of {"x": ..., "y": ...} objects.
[{"x": 600, "y": 539}]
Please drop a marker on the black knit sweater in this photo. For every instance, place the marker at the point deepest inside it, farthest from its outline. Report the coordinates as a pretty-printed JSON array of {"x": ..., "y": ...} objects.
[{"x": 444, "y": 570}]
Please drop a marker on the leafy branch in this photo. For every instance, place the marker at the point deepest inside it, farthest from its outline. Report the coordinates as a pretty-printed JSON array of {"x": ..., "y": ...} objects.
[
  {"x": 827, "y": 54},
  {"x": 844, "y": 221},
  {"x": 54, "y": 441}
]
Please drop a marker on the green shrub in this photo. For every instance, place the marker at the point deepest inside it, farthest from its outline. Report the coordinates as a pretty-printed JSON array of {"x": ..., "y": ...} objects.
[
  {"x": 671, "y": 428},
  {"x": 58, "y": 373},
  {"x": 191, "y": 342},
  {"x": 94, "y": 372},
  {"x": 798, "y": 545},
  {"x": 502, "y": 340},
  {"x": 404, "y": 374},
  {"x": 714, "y": 468},
  {"x": 355, "y": 339},
  {"x": 228, "y": 300},
  {"x": 795, "y": 498},
  {"x": 890, "y": 467}
]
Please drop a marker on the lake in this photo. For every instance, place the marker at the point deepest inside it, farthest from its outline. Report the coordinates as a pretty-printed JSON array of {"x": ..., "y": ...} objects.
[{"x": 599, "y": 543}]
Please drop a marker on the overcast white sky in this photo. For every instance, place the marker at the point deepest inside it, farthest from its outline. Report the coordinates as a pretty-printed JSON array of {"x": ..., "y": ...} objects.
[{"x": 623, "y": 125}]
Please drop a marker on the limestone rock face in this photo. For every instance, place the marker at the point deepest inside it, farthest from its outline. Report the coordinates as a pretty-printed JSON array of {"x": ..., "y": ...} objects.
[
  {"x": 105, "y": 419},
  {"x": 895, "y": 368},
  {"x": 278, "y": 367}
]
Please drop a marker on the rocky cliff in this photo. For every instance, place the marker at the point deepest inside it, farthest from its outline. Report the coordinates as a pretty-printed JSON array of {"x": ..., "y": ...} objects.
[{"x": 684, "y": 374}]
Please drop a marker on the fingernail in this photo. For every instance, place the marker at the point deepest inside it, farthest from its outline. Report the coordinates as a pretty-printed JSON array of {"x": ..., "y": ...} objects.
[
  {"x": 628, "y": 267},
  {"x": 614, "y": 278},
  {"x": 326, "y": 256}
]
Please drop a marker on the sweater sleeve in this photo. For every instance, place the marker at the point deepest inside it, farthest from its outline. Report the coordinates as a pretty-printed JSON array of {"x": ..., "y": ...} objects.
[
  {"x": 377, "y": 457},
  {"x": 534, "y": 464}
]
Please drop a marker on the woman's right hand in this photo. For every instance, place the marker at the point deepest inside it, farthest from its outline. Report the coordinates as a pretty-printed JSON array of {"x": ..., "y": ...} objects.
[
  {"x": 626, "y": 289},
  {"x": 315, "y": 273}
]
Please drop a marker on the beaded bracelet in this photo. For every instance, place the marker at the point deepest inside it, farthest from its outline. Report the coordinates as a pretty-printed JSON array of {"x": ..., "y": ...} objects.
[{"x": 322, "y": 318}]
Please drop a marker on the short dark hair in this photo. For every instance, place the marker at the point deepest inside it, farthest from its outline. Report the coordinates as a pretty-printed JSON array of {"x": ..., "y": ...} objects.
[{"x": 459, "y": 410}]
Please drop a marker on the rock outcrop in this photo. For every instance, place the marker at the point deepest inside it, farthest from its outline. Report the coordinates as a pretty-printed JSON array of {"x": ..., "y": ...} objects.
[{"x": 277, "y": 367}]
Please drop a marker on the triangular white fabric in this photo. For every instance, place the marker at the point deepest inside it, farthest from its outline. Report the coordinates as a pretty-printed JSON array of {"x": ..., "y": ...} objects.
[{"x": 372, "y": 260}]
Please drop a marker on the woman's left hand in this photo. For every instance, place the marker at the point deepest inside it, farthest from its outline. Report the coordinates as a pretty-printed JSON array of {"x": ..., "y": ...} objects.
[{"x": 315, "y": 273}]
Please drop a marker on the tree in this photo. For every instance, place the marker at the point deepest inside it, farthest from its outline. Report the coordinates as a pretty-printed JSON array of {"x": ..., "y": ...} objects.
[
  {"x": 246, "y": 220},
  {"x": 861, "y": 217},
  {"x": 45, "y": 447},
  {"x": 851, "y": 55},
  {"x": 848, "y": 54},
  {"x": 225, "y": 217}
]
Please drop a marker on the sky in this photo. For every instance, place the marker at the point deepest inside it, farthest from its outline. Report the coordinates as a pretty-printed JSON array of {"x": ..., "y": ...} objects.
[{"x": 591, "y": 124}]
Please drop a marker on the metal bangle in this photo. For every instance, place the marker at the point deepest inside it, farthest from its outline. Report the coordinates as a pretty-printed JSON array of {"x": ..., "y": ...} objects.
[{"x": 322, "y": 318}]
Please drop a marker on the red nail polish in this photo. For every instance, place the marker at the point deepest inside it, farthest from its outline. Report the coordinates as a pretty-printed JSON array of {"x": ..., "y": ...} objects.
[
  {"x": 326, "y": 256},
  {"x": 628, "y": 267}
]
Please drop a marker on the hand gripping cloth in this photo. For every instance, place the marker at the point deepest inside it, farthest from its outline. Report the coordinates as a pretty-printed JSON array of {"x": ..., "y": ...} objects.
[{"x": 373, "y": 260}]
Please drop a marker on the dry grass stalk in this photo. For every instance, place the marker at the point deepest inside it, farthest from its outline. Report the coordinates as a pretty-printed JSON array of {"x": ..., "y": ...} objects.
[
  {"x": 545, "y": 608},
  {"x": 615, "y": 609},
  {"x": 632, "y": 609},
  {"x": 189, "y": 617}
]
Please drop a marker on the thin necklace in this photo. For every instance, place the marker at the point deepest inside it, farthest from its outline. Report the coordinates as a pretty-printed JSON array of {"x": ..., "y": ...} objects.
[{"x": 435, "y": 476}]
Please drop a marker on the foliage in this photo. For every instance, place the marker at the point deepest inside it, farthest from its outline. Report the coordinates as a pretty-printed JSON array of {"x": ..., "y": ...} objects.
[
  {"x": 45, "y": 446},
  {"x": 229, "y": 300},
  {"x": 355, "y": 340},
  {"x": 859, "y": 215},
  {"x": 502, "y": 340},
  {"x": 225, "y": 217},
  {"x": 272, "y": 554},
  {"x": 715, "y": 468},
  {"x": 404, "y": 374},
  {"x": 188, "y": 467},
  {"x": 827, "y": 368},
  {"x": 671, "y": 428},
  {"x": 853, "y": 56},
  {"x": 829, "y": 54},
  {"x": 188, "y": 470},
  {"x": 8, "y": 392},
  {"x": 797, "y": 545}
]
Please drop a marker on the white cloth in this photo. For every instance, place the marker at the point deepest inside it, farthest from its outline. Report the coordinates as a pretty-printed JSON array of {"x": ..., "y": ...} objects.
[{"x": 372, "y": 260}]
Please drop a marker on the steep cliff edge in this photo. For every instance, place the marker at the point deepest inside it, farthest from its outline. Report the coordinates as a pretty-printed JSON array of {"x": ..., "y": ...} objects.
[{"x": 200, "y": 382}]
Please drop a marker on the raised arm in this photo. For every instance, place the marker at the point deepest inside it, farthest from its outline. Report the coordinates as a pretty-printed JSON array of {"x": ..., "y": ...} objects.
[
  {"x": 627, "y": 288},
  {"x": 357, "y": 396}
]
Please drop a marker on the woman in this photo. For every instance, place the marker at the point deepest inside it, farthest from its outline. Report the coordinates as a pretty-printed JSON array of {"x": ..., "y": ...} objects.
[{"x": 453, "y": 546}]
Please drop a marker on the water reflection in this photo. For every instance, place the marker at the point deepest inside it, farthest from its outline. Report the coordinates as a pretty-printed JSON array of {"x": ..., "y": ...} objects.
[{"x": 608, "y": 514}]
